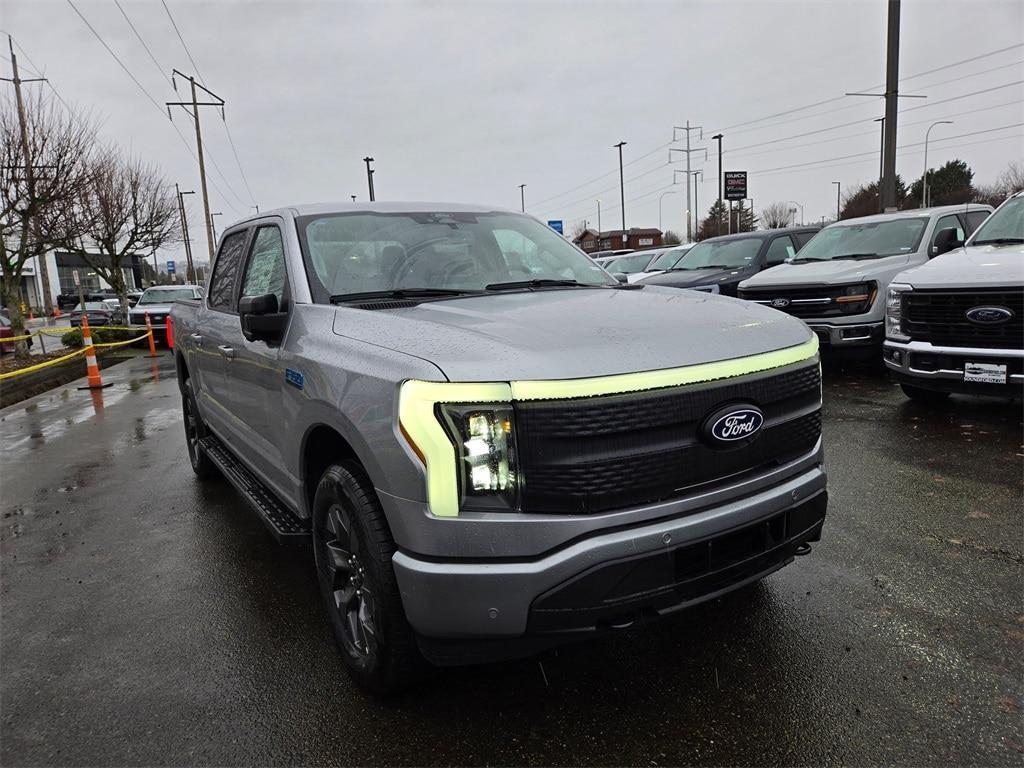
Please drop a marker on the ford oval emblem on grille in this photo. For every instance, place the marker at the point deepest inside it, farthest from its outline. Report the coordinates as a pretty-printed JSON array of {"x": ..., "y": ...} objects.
[
  {"x": 989, "y": 315},
  {"x": 779, "y": 303},
  {"x": 732, "y": 424}
]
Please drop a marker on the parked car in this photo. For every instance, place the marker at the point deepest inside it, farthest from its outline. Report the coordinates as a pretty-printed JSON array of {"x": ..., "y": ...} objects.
[
  {"x": 6, "y": 333},
  {"x": 489, "y": 461},
  {"x": 157, "y": 302},
  {"x": 719, "y": 264},
  {"x": 98, "y": 312},
  {"x": 837, "y": 283},
  {"x": 956, "y": 324},
  {"x": 665, "y": 260},
  {"x": 604, "y": 254}
]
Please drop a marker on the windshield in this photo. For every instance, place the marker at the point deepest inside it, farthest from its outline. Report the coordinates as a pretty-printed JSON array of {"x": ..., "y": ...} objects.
[
  {"x": 866, "y": 240},
  {"x": 668, "y": 259},
  {"x": 166, "y": 295},
  {"x": 629, "y": 265},
  {"x": 356, "y": 253},
  {"x": 90, "y": 305},
  {"x": 1005, "y": 225},
  {"x": 721, "y": 253}
]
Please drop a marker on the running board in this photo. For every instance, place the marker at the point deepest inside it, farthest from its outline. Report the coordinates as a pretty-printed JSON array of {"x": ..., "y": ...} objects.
[{"x": 283, "y": 524}]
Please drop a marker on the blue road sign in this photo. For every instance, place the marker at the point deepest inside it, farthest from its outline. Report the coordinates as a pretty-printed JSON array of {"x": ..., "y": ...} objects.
[
  {"x": 556, "y": 224},
  {"x": 170, "y": 267}
]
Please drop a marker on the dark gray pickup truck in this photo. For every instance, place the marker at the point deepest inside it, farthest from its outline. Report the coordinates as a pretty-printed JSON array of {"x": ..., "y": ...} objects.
[{"x": 493, "y": 446}]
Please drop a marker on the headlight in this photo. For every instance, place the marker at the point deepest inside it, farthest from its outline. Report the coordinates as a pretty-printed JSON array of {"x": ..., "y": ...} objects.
[
  {"x": 894, "y": 312},
  {"x": 484, "y": 440},
  {"x": 855, "y": 299}
]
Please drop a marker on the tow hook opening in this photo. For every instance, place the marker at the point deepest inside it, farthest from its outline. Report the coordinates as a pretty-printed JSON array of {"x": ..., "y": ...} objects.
[{"x": 802, "y": 549}]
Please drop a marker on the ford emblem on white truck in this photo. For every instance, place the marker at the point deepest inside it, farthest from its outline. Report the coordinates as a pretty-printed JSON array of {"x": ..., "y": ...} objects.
[
  {"x": 989, "y": 315},
  {"x": 733, "y": 423},
  {"x": 779, "y": 303}
]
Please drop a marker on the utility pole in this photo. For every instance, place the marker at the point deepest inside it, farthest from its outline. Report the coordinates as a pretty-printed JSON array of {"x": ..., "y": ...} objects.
[
  {"x": 369, "y": 176},
  {"x": 212, "y": 225},
  {"x": 622, "y": 192},
  {"x": 522, "y": 197},
  {"x": 838, "y": 191},
  {"x": 892, "y": 84},
  {"x": 687, "y": 128},
  {"x": 599, "y": 215},
  {"x": 195, "y": 104},
  {"x": 190, "y": 273},
  {"x": 30, "y": 176}
]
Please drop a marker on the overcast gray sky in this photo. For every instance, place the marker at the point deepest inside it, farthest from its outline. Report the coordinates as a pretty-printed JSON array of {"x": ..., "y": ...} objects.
[{"x": 465, "y": 101}]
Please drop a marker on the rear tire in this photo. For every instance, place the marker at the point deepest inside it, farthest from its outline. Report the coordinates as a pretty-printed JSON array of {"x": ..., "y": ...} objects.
[
  {"x": 352, "y": 546},
  {"x": 195, "y": 430},
  {"x": 922, "y": 395}
]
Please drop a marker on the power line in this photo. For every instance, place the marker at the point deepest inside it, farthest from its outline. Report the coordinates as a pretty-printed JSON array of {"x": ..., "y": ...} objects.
[
  {"x": 188, "y": 53},
  {"x": 115, "y": 57},
  {"x": 238, "y": 162},
  {"x": 160, "y": 69}
]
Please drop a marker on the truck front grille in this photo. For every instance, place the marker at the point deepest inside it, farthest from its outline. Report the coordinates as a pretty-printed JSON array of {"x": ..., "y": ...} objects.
[
  {"x": 596, "y": 454},
  {"x": 940, "y": 317},
  {"x": 799, "y": 302}
]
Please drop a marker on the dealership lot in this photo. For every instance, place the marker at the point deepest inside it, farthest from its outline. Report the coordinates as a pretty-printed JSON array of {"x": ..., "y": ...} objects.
[{"x": 150, "y": 619}]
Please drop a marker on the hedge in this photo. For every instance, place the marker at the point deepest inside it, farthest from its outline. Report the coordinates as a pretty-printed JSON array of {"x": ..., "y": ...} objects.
[{"x": 99, "y": 336}]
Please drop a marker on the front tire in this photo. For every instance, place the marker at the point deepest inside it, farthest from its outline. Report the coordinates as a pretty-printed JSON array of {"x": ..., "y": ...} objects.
[
  {"x": 352, "y": 546},
  {"x": 922, "y": 395}
]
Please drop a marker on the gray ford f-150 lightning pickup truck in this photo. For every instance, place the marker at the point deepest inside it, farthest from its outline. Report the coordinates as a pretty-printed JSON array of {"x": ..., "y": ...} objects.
[{"x": 492, "y": 444}]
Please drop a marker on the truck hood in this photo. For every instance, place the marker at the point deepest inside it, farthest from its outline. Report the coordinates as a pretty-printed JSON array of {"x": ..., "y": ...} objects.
[
  {"x": 825, "y": 272},
  {"x": 976, "y": 266},
  {"x": 574, "y": 333},
  {"x": 690, "y": 278}
]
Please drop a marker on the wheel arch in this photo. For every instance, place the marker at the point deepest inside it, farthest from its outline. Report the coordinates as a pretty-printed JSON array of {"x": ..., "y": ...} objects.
[{"x": 322, "y": 445}]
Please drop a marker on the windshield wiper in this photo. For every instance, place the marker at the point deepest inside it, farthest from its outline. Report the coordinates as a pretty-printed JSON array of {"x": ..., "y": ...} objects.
[
  {"x": 539, "y": 282},
  {"x": 859, "y": 256},
  {"x": 802, "y": 261},
  {"x": 1000, "y": 241},
  {"x": 401, "y": 293}
]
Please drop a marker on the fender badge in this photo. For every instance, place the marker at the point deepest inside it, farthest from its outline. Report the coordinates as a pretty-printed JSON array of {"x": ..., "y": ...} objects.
[{"x": 293, "y": 377}]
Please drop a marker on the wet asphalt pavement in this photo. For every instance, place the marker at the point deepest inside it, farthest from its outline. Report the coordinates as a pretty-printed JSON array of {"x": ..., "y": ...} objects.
[{"x": 149, "y": 619}]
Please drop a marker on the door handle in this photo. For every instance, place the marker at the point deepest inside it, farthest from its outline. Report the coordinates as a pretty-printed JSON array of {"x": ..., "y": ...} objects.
[
  {"x": 227, "y": 351},
  {"x": 197, "y": 338}
]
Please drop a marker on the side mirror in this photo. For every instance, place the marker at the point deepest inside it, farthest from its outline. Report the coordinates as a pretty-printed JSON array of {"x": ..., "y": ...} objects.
[
  {"x": 622, "y": 277},
  {"x": 946, "y": 241},
  {"x": 261, "y": 318}
]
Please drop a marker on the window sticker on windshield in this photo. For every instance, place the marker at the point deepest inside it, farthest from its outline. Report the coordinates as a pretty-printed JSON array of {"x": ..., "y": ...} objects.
[{"x": 790, "y": 251}]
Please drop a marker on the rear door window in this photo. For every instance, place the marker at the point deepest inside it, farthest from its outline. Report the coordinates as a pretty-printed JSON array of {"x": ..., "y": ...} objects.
[
  {"x": 225, "y": 271},
  {"x": 803, "y": 238},
  {"x": 782, "y": 248}
]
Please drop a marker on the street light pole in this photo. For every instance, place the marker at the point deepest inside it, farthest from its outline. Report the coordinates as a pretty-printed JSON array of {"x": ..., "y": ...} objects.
[
  {"x": 213, "y": 227},
  {"x": 369, "y": 176},
  {"x": 718, "y": 137},
  {"x": 924, "y": 176},
  {"x": 599, "y": 215},
  {"x": 881, "y": 156},
  {"x": 839, "y": 188},
  {"x": 794, "y": 202},
  {"x": 622, "y": 191},
  {"x": 522, "y": 197},
  {"x": 660, "y": 199}
]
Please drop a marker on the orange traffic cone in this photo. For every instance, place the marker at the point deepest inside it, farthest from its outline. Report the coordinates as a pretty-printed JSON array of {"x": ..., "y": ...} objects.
[
  {"x": 170, "y": 333},
  {"x": 56, "y": 311},
  {"x": 91, "y": 367},
  {"x": 149, "y": 332}
]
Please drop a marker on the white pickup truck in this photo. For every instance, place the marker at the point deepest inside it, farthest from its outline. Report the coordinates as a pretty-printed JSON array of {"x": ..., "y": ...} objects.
[
  {"x": 956, "y": 324},
  {"x": 837, "y": 282}
]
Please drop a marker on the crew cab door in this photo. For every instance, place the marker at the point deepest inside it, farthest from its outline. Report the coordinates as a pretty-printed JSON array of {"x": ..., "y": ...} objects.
[
  {"x": 256, "y": 371},
  {"x": 215, "y": 338}
]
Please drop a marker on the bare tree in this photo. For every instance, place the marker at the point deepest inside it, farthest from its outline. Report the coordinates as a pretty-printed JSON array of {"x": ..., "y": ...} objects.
[
  {"x": 578, "y": 228},
  {"x": 776, "y": 216},
  {"x": 36, "y": 187},
  {"x": 1009, "y": 181},
  {"x": 127, "y": 209}
]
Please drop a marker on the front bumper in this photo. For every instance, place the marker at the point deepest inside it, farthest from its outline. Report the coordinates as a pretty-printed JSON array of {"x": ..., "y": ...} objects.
[
  {"x": 850, "y": 335},
  {"x": 616, "y": 576},
  {"x": 942, "y": 368}
]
